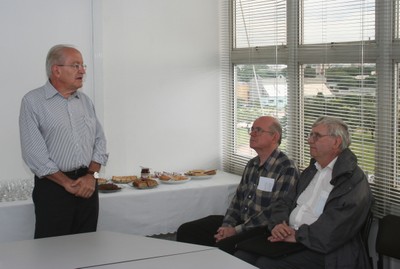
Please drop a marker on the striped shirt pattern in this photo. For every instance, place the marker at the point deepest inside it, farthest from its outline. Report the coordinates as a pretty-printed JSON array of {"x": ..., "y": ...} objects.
[
  {"x": 250, "y": 206},
  {"x": 58, "y": 133}
]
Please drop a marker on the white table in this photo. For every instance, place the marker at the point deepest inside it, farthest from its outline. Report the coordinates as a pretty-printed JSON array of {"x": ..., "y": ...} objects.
[
  {"x": 112, "y": 250},
  {"x": 213, "y": 258},
  {"x": 133, "y": 211}
]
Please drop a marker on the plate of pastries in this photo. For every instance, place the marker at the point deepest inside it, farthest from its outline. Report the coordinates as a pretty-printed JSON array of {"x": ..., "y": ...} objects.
[
  {"x": 144, "y": 183},
  {"x": 108, "y": 187},
  {"x": 173, "y": 178},
  {"x": 123, "y": 179},
  {"x": 201, "y": 173}
]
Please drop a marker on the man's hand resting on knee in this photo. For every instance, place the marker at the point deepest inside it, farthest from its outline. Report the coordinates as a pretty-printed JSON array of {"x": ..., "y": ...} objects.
[{"x": 224, "y": 232}]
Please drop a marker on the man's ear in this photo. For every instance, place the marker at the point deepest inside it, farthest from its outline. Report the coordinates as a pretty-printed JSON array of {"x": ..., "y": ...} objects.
[
  {"x": 55, "y": 70},
  {"x": 338, "y": 142}
]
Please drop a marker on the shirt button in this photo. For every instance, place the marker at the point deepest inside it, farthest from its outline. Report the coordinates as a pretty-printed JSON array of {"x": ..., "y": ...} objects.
[{"x": 249, "y": 196}]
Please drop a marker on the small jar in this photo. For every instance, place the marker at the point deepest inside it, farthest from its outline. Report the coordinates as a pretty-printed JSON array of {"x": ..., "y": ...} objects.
[{"x": 145, "y": 173}]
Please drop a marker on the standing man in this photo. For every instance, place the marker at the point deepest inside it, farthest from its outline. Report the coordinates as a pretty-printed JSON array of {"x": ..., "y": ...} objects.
[
  {"x": 326, "y": 211},
  {"x": 64, "y": 145},
  {"x": 267, "y": 177}
]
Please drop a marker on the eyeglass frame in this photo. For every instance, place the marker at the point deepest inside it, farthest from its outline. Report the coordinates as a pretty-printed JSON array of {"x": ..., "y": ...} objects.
[
  {"x": 259, "y": 131},
  {"x": 76, "y": 66},
  {"x": 315, "y": 136}
]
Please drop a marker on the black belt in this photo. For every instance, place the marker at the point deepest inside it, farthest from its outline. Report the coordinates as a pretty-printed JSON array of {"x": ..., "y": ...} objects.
[{"x": 74, "y": 174}]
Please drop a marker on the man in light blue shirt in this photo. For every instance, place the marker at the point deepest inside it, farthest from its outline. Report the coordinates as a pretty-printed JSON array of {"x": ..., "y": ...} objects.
[{"x": 64, "y": 145}]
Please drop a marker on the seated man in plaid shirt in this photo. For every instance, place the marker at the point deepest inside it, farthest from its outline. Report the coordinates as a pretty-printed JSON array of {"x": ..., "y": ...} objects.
[{"x": 267, "y": 177}]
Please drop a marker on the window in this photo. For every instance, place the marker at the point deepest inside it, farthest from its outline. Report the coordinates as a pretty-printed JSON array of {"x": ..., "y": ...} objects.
[
  {"x": 298, "y": 60},
  {"x": 259, "y": 24},
  {"x": 259, "y": 89}
]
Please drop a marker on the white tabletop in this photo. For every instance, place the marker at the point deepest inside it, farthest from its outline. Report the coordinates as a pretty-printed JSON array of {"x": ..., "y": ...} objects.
[
  {"x": 133, "y": 211},
  {"x": 111, "y": 250},
  {"x": 210, "y": 258}
]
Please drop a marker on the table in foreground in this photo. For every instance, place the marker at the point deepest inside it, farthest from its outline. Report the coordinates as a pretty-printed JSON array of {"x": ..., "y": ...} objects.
[
  {"x": 133, "y": 211},
  {"x": 111, "y": 250},
  {"x": 210, "y": 258}
]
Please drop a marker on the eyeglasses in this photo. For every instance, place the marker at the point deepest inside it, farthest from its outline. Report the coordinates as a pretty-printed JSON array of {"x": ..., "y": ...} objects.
[
  {"x": 258, "y": 131},
  {"x": 76, "y": 66},
  {"x": 316, "y": 136}
]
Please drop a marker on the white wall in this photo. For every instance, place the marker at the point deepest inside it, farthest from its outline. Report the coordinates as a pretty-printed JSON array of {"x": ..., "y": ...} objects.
[
  {"x": 161, "y": 84},
  {"x": 28, "y": 29},
  {"x": 154, "y": 65}
]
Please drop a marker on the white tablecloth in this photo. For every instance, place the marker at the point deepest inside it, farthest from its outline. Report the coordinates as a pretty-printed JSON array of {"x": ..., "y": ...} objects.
[{"x": 141, "y": 212}]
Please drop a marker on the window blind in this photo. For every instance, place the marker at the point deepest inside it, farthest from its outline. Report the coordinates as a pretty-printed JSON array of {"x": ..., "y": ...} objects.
[
  {"x": 298, "y": 60},
  {"x": 258, "y": 86}
]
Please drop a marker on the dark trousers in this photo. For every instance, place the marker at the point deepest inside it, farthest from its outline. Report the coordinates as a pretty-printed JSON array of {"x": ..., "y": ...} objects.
[
  {"x": 60, "y": 213},
  {"x": 202, "y": 232},
  {"x": 304, "y": 259}
]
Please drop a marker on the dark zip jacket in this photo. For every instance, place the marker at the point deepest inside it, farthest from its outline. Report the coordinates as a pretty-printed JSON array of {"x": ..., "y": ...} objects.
[{"x": 336, "y": 233}]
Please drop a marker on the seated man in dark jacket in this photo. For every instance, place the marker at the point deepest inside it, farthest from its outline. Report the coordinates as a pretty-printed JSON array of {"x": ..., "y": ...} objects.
[{"x": 327, "y": 211}]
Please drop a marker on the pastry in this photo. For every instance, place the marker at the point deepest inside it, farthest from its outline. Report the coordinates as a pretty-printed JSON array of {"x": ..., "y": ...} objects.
[
  {"x": 101, "y": 181},
  {"x": 210, "y": 172},
  {"x": 144, "y": 183},
  {"x": 123, "y": 179},
  {"x": 179, "y": 177},
  {"x": 164, "y": 177},
  {"x": 151, "y": 183},
  {"x": 201, "y": 172},
  {"x": 108, "y": 187},
  {"x": 140, "y": 184}
]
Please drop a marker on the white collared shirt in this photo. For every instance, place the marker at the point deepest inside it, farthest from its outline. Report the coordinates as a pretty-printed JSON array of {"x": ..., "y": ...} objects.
[{"x": 311, "y": 202}]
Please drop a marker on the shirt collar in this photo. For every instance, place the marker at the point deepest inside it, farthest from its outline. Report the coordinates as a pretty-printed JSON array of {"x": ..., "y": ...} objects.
[
  {"x": 274, "y": 154},
  {"x": 50, "y": 91},
  {"x": 330, "y": 165}
]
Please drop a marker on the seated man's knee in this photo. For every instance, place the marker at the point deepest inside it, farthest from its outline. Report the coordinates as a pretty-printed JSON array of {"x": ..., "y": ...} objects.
[
  {"x": 182, "y": 232},
  {"x": 246, "y": 256}
]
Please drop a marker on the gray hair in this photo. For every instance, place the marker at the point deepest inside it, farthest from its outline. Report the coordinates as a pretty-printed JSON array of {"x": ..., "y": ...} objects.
[
  {"x": 336, "y": 127},
  {"x": 276, "y": 127},
  {"x": 56, "y": 56}
]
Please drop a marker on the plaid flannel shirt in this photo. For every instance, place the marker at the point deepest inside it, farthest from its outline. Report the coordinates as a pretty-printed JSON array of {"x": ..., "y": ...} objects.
[{"x": 250, "y": 207}]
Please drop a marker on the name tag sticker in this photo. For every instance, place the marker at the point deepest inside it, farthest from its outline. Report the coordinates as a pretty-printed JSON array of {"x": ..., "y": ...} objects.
[{"x": 266, "y": 184}]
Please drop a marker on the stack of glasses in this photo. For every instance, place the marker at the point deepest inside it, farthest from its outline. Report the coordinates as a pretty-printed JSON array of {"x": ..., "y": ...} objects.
[{"x": 16, "y": 190}]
